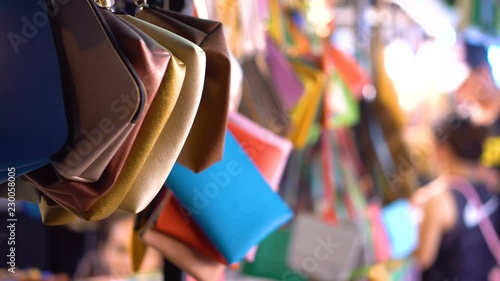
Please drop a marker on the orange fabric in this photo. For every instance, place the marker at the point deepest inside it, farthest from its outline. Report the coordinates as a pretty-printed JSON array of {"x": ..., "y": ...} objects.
[
  {"x": 174, "y": 221},
  {"x": 348, "y": 68},
  {"x": 269, "y": 152}
]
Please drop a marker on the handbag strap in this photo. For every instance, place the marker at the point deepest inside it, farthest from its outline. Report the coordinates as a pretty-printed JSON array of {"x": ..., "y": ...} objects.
[{"x": 485, "y": 225}]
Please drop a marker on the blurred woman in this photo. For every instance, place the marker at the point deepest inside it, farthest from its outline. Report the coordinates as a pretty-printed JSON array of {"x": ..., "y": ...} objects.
[
  {"x": 452, "y": 246},
  {"x": 112, "y": 258}
]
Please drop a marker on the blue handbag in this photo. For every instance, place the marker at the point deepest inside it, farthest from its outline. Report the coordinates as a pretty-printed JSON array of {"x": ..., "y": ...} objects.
[
  {"x": 401, "y": 228},
  {"x": 230, "y": 201},
  {"x": 34, "y": 125}
]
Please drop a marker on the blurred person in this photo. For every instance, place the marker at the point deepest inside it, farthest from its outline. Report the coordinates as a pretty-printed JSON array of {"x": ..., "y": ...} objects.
[
  {"x": 112, "y": 258},
  {"x": 451, "y": 244},
  {"x": 479, "y": 96}
]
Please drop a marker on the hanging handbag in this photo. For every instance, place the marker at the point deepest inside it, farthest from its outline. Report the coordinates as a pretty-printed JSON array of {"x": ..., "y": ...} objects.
[
  {"x": 401, "y": 227},
  {"x": 205, "y": 143},
  {"x": 268, "y": 151},
  {"x": 261, "y": 101},
  {"x": 31, "y": 98},
  {"x": 174, "y": 221},
  {"x": 159, "y": 162},
  {"x": 304, "y": 115},
  {"x": 326, "y": 249},
  {"x": 230, "y": 201},
  {"x": 271, "y": 259},
  {"x": 93, "y": 201},
  {"x": 189, "y": 260},
  {"x": 288, "y": 84},
  {"x": 102, "y": 121}
]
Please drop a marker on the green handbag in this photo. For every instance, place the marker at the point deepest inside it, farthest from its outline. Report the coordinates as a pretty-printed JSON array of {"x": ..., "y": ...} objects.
[{"x": 270, "y": 261}]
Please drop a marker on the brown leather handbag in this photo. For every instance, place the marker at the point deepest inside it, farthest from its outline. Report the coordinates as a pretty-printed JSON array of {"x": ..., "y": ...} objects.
[
  {"x": 96, "y": 66},
  {"x": 205, "y": 143},
  {"x": 150, "y": 59}
]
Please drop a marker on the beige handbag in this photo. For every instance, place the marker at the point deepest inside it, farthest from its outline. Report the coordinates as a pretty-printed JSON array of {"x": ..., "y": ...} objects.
[
  {"x": 160, "y": 161},
  {"x": 186, "y": 258}
]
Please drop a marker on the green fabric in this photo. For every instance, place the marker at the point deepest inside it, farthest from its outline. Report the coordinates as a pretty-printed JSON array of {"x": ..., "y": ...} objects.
[
  {"x": 270, "y": 261},
  {"x": 349, "y": 116}
]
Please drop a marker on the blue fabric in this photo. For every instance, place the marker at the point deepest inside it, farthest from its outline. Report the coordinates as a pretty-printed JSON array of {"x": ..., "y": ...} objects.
[
  {"x": 401, "y": 228},
  {"x": 4, "y": 175},
  {"x": 34, "y": 125},
  {"x": 230, "y": 201}
]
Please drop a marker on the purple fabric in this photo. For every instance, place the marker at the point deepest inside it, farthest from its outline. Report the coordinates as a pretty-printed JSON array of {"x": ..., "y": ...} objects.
[{"x": 287, "y": 83}]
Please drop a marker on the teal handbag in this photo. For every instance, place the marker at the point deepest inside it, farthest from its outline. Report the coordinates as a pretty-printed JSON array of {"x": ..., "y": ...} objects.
[
  {"x": 270, "y": 261},
  {"x": 230, "y": 201}
]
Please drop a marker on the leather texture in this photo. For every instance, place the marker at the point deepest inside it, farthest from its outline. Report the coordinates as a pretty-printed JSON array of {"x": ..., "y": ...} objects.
[
  {"x": 205, "y": 143},
  {"x": 174, "y": 221},
  {"x": 166, "y": 150},
  {"x": 93, "y": 201},
  {"x": 31, "y": 95},
  {"x": 100, "y": 118},
  {"x": 212, "y": 197},
  {"x": 268, "y": 151},
  {"x": 201, "y": 267}
]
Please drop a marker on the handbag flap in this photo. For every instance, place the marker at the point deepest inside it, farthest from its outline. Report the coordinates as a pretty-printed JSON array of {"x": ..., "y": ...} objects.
[{"x": 213, "y": 195}]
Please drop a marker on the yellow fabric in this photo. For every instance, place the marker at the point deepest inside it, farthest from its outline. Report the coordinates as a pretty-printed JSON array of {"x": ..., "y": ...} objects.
[
  {"x": 491, "y": 152},
  {"x": 55, "y": 215},
  {"x": 304, "y": 114},
  {"x": 160, "y": 161}
]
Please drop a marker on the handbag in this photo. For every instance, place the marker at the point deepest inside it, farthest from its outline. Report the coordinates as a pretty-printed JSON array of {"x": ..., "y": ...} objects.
[
  {"x": 288, "y": 84},
  {"x": 205, "y": 143},
  {"x": 101, "y": 120},
  {"x": 174, "y": 221},
  {"x": 186, "y": 258},
  {"x": 303, "y": 116},
  {"x": 31, "y": 115},
  {"x": 401, "y": 228},
  {"x": 268, "y": 151},
  {"x": 327, "y": 248},
  {"x": 93, "y": 201},
  {"x": 159, "y": 162},
  {"x": 271, "y": 259},
  {"x": 230, "y": 201},
  {"x": 260, "y": 101}
]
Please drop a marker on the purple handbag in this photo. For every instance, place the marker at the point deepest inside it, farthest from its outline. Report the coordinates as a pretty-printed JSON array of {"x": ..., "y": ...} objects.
[{"x": 287, "y": 83}]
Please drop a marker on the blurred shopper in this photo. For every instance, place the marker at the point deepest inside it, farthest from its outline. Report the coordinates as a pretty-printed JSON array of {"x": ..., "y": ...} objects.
[
  {"x": 112, "y": 258},
  {"x": 451, "y": 244},
  {"x": 479, "y": 97}
]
